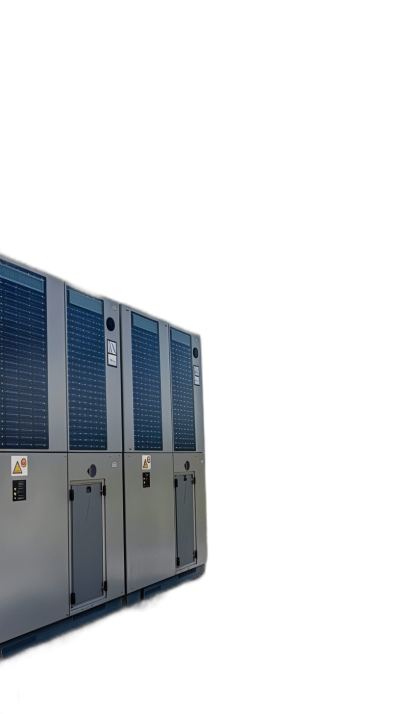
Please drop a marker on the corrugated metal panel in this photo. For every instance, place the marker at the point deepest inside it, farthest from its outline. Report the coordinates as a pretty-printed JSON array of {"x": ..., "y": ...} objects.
[
  {"x": 182, "y": 392},
  {"x": 147, "y": 417},
  {"x": 87, "y": 409},
  {"x": 23, "y": 359}
]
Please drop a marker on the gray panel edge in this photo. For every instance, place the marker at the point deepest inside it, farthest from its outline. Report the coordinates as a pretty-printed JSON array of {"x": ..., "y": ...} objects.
[
  {"x": 198, "y": 397},
  {"x": 113, "y": 381},
  {"x": 127, "y": 383},
  {"x": 57, "y": 375},
  {"x": 166, "y": 403}
]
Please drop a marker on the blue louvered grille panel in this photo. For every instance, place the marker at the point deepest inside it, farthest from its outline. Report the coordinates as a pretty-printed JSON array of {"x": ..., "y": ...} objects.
[
  {"x": 87, "y": 409},
  {"x": 147, "y": 417},
  {"x": 24, "y": 420},
  {"x": 182, "y": 394}
]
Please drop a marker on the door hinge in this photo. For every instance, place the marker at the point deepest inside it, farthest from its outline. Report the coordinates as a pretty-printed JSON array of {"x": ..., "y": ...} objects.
[
  {"x": 73, "y": 599},
  {"x": 103, "y": 490},
  {"x": 105, "y": 586},
  {"x": 176, "y": 483},
  {"x": 178, "y": 562},
  {"x": 71, "y": 494},
  {"x": 193, "y": 480},
  {"x": 195, "y": 555}
]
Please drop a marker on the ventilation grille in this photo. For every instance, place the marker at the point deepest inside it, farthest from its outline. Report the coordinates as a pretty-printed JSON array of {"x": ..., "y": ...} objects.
[
  {"x": 147, "y": 417},
  {"x": 182, "y": 392},
  {"x": 24, "y": 421},
  {"x": 87, "y": 409}
]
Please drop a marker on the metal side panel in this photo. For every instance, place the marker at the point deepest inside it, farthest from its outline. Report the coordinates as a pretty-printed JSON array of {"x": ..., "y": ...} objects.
[
  {"x": 185, "y": 523},
  {"x": 149, "y": 521},
  {"x": 34, "y": 588},
  {"x": 113, "y": 377},
  {"x": 165, "y": 386},
  {"x": 196, "y": 466},
  {"x": 57, "y": 374},
  {"x": 198, "y": 393},
  {"x": 87, "y": 542},
  {"x": 108, "y": 472},
  {"x": 127, "y": 382}
]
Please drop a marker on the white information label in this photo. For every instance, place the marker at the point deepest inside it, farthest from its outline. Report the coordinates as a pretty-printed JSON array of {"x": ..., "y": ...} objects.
[
  {"x": 112, "y": 360},
  {"x": 146, "y": 463},
  {"x": 114, "y": 464},
  {"x": 19, "y": 466},
  {"x": 196, "y": 370},
  {"x": 197, "y": 381},
  {"x": 111, "y": 347}
]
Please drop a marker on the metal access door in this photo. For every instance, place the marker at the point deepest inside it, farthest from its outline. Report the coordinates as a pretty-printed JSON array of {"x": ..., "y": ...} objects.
[
  {"x": 86, "y": 542},
  {"x": 185, "y": 520}
]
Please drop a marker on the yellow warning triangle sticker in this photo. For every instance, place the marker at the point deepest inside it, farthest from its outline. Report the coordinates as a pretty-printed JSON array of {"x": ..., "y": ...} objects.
[
  {"x": 17, "y": 469},
  {"x": 145, "y": 464}
]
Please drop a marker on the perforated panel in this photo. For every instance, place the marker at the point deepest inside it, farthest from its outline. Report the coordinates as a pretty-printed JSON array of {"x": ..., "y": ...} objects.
[
  {"x": 147, "y": 417},
  {"x": 182, "y": 392},
  {"x": 86, "y": 373},
  {"x": 23, "y": 359}
]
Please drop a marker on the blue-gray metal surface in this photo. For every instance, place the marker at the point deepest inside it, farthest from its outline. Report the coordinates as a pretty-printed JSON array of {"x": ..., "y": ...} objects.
[
  {"x": 87, "y": 407},
  {"x": 24, "y": 418},
  {"x": 182, "y": 392},
  {"x": 185, "y": 523},
  {"x": 18, "y": 644},
  {"x": 179, "y": 579},
  {"x": 87, "y": 542},
  {"x": 149, "y": 521},
  {"x": 146, "y": 381}
]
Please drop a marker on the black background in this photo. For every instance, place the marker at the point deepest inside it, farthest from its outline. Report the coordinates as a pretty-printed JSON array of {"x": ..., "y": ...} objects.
[{"x": 167, "y": 273}]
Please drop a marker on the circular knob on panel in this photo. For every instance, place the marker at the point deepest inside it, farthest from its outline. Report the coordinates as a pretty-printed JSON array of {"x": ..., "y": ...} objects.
[
  {"x": 92, "y": 471},
  {"x": 110, "y": 324},
  {"x": 187, "y": 465}
]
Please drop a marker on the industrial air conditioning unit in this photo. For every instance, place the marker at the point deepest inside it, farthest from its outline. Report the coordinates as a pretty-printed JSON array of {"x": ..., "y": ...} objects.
[{"x": 102, "y": 474}]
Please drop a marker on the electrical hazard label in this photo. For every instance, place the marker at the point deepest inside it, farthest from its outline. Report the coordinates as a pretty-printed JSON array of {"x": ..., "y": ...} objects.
[
  {"x": 19, "y": 466},
  {"x": 146, "y": 462}
]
